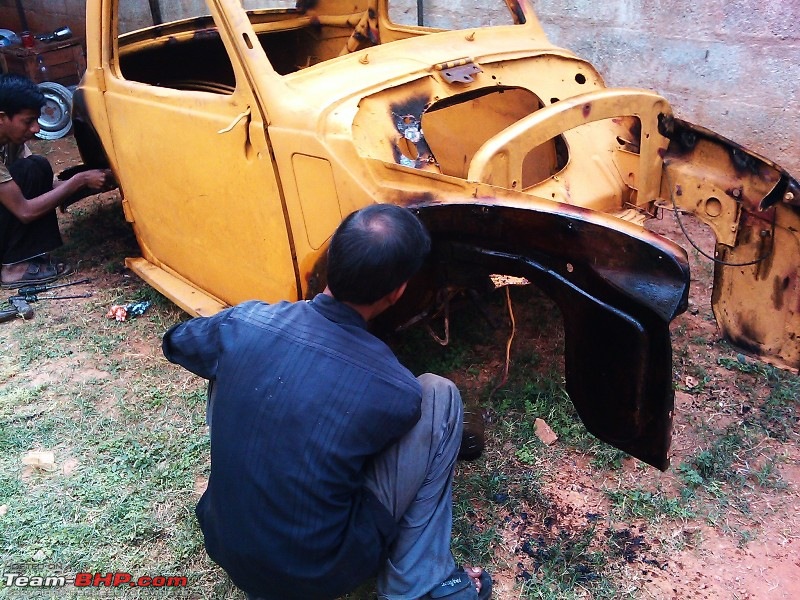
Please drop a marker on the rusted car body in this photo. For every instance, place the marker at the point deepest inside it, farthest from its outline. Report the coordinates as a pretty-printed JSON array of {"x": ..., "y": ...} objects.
[{"x": 243, "y": 132}]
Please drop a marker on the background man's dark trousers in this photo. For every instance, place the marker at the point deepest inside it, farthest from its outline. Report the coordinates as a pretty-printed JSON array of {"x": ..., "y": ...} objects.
[{"x": 24, "y": 241}]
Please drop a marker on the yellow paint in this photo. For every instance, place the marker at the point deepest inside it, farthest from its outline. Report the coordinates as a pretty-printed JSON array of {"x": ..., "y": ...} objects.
[
  {"x": 317, "y": 192},
  {"x": 240, "y": 149}
]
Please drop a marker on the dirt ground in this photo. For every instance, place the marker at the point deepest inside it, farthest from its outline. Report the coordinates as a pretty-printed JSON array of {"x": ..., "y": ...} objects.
[
  {"x": 691, "y": 558},
  {"x": 703, "y": 561},
  {"x": 714, "y": 565}
]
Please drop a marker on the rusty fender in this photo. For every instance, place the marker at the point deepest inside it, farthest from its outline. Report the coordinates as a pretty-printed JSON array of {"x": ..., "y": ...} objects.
[
  {"x": 753, "y": 207},
  {"x": 617, "y": 289}
]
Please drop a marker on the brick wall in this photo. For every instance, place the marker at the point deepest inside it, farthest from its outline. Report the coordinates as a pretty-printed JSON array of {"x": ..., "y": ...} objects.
[{"x": 44, "y": 16}]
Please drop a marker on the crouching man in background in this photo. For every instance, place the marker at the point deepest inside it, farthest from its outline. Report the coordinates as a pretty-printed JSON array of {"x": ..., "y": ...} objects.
[{"x": 28, "y": 201}]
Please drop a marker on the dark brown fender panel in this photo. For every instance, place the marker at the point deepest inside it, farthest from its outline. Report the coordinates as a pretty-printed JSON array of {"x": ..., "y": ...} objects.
[{"x": 617, "y": 293}]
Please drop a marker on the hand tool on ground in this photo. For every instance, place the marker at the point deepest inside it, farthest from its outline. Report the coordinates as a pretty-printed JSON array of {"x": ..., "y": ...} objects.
[
  {"x": 38, "y": 289},
  {"x": 36, "y": 297},
  {"x": 19, "y": 308}
]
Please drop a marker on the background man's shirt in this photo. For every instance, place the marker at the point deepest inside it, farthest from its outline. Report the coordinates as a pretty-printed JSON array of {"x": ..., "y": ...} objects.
[{"x": 8, "y": 154}]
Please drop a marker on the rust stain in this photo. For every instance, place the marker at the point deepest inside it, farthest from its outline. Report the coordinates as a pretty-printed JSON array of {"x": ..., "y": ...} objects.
[
  {"x": 765, "y": 251},
  {"x": 421, "y": 199},
  {"x": 204, "y": 34},
  {"x": 519, "y": 15},
  {"x": 737, "y": 193},
  {"x": 407, "y": 118},
  {"x": 779, "y": 287},
  {"x": 743, "y": 335},
  {"x": 304, "y": 5}
]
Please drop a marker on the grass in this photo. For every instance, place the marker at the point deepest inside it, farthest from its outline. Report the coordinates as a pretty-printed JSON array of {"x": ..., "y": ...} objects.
[
  {"x": 564, "y": 565},
  {"x": 127, "y": 430},
  {"x": 777, "y": 415},
  {"x": 710, "y": 484},
  {"x": 651, "y": 505}
]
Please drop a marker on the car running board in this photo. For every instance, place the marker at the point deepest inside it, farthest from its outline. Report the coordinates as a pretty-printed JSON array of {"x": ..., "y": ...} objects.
[{"x": 189, "y": 298}]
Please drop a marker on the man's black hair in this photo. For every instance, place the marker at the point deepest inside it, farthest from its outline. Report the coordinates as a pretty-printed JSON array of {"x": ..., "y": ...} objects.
[
  {"x": 18, "y": 93},
  {"x": 374, "y": 251}
]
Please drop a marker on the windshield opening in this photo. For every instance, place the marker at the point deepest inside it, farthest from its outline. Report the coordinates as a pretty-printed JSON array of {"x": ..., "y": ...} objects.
[{"x": 450, "y": 14}]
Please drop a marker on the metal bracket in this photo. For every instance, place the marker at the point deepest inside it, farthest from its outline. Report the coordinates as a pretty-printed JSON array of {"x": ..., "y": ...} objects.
[{"x": 459, "y": 71}]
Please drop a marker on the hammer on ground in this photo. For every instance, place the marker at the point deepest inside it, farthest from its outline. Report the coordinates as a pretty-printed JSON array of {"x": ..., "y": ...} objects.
[{"x": 19, "y": 308}]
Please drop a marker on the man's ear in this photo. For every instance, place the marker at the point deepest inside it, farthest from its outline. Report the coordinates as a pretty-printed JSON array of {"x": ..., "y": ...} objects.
[{"x": 395, "y": 294}]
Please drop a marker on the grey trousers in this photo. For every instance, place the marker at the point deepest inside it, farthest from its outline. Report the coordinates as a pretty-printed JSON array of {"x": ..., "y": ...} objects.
[{"x": 414, "y": 480}]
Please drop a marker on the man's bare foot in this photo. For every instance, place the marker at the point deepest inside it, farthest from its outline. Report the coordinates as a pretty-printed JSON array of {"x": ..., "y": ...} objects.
[
  {"x": 12, "y": 273},
  {"x": 474, "y": 574}
]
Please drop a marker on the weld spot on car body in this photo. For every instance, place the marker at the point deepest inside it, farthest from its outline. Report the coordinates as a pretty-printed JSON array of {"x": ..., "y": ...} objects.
[{"x": 407, "y": 119}]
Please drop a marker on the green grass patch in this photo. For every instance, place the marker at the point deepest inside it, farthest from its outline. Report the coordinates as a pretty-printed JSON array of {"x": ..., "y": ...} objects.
[
  {"x": 653, "y": 506},
  {"x": 566, "y": 565}
]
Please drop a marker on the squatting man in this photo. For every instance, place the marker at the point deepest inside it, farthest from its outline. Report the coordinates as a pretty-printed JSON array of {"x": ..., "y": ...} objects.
[
  {"x": 331, "y": 463},
  {"x": 29, "y": 195}
]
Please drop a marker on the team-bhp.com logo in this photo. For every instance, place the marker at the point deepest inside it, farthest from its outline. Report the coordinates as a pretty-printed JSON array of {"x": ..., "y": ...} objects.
[{"x": 92, "y": 580}]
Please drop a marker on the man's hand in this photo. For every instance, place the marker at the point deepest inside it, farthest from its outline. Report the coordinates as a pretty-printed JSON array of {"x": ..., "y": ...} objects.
[
  {"x": 97, "y": 179},
  {"x": 87, "y": 183}
]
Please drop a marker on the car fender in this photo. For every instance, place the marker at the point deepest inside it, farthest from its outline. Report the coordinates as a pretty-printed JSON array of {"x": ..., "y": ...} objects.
[{"x": 617, "y": 290}]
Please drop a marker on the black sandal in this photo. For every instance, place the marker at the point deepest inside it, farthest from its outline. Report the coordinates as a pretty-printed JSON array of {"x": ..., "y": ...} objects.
[
  {"x": 459, "y": 586},
  {"x": 39, "y": 273}
]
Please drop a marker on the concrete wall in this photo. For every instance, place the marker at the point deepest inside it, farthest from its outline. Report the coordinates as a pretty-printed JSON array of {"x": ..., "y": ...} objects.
[{"x": 731, "y": 66}]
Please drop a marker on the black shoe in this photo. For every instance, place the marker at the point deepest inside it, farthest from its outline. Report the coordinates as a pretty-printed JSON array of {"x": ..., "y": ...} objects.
[
  {"x": 458, "y": 586},
  {"x": 472, "y": 439}
]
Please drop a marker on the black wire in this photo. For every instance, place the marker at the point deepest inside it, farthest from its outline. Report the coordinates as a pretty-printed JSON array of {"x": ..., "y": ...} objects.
[{"x": 700, "y": 250}]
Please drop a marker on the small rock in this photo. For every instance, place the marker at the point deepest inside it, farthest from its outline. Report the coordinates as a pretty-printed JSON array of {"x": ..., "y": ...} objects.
[
  {"x": 40, "y": 555},
  {"x": 546, "y": 435},
  {"x": 40, "y": 459},
  {"x": 70, "y": 466}
]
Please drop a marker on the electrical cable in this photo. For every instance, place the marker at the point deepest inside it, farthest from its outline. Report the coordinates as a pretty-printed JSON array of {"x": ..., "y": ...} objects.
[
  {"x": 508, "y": 344},
  {"x": 676, "y": 210}
]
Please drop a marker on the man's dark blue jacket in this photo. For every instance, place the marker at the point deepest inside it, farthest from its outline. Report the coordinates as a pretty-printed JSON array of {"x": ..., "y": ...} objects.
[{"x": 303, "y": 397}]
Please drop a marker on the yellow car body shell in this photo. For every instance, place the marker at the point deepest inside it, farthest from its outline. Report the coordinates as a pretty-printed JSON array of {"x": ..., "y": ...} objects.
[{"x": 240, "y": 140}]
